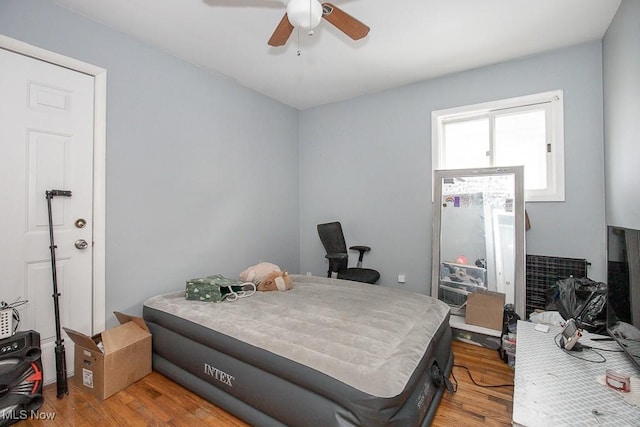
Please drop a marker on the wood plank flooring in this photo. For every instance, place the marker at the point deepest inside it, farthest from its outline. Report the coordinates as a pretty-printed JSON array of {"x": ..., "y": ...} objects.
[
  {"x": 158, "y": 401},
  {"x": 472, "y": 405}
]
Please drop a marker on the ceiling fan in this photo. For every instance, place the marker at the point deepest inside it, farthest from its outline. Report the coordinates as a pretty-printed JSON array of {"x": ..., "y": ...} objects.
[{"x": 307, "y": 14}]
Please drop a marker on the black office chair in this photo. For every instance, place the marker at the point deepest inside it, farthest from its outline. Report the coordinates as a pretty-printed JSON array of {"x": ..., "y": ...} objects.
[{"x": 333, "y": 240}]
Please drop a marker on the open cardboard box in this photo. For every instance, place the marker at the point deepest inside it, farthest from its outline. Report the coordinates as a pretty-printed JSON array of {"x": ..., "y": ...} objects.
[
  {"x": 111, "y": 360},
  {"x": 486, "y": 309}
]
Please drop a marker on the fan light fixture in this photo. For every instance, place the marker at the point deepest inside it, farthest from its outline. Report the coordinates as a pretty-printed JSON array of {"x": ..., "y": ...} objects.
[{"x": 304, "y": 14}]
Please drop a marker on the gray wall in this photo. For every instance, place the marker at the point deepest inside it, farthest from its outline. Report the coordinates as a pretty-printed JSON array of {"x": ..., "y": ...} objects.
[
  {"x": 202, "y": 175},
  {"x": 367, "y": 163},
  {"x": 621, "y": 70}
]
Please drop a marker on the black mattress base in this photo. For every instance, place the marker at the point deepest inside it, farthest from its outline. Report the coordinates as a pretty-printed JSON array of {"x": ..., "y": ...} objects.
[
  {"x": 278, "y": 392},
  {"x": 249, "y": 413},
  {"x": 213, "y": 394}
]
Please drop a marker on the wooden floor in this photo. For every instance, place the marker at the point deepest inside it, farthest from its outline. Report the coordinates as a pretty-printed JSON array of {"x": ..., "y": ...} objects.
[
  {"x": 472, "y": 405},
  {"x": 157, "y": 401}
]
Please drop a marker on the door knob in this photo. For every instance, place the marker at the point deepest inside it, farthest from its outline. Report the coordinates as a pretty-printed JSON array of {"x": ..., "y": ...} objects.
[{"x": 81, "y": 244}]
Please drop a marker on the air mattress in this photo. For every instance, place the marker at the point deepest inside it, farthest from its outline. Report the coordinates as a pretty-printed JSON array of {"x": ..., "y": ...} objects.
[{"x": 327, "y": 352}]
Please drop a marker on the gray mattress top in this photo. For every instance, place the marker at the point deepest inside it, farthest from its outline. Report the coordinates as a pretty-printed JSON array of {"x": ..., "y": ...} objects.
[{"x": 369, "y": 337}]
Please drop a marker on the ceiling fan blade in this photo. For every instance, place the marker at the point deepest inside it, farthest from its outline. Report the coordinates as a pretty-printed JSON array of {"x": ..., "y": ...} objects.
[
  {"x": 282, "y": 32},
  {"x": 344, "y": 22}
]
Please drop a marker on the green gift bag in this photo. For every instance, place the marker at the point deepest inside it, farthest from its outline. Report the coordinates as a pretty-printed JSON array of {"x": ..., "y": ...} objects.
[{"x": 214, "y": 288}]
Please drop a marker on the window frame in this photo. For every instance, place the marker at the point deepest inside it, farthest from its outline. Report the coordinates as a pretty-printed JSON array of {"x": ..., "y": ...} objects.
[{"x": 553, "y": 104}]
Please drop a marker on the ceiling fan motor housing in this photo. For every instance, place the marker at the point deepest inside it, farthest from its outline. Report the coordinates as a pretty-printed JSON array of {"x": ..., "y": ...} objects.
[{"x": 305, "y": 14}]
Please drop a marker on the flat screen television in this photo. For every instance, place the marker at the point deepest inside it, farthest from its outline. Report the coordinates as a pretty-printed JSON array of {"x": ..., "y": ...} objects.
[{"x": 623, "y": 293}]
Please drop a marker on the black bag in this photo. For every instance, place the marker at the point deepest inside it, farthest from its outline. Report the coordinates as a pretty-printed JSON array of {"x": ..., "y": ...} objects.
[{"x": 583, "y": 300}]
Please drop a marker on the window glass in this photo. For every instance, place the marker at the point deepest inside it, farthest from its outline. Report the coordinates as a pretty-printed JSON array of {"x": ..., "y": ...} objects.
[
  {"x": 521, "y": 139},
  {"x": 467, "y": 144},
  {"x": 525, "y": 131}
]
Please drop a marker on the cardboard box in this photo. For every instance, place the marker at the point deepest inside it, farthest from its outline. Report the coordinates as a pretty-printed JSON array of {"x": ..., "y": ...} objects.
[
  {"x": 110, "y": 361},
  {"x": 485, "y": 309}
]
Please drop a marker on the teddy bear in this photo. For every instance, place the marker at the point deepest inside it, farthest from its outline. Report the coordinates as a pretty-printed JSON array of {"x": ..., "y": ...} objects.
[
  {"x": 275, "y": 281},
  {"x": 255, "y": 273}
]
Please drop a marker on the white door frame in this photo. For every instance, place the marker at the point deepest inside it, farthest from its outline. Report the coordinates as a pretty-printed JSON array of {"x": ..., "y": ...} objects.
[{"x": 99, "y": 162}]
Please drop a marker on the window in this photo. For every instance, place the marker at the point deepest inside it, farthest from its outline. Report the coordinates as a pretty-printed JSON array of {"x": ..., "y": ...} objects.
[{"x": 527, "y": 131}]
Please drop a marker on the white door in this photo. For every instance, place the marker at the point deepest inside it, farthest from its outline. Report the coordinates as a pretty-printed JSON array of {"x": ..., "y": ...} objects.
[{"x": 46, "y": 141}]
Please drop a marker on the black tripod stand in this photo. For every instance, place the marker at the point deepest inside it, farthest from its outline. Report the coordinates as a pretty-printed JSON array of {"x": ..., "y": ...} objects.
[{"x": 61, "y": 361}]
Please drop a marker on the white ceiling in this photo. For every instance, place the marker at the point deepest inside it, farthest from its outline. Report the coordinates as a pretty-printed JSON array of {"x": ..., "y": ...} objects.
[{"x": 409, "y": 41}]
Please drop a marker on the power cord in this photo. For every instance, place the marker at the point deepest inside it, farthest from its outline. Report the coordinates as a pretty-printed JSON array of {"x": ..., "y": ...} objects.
[
  {"x": 597, "y": 414},
  {"x": 455, "y": 386},
  {"x": 578, "y": 347},
  {"x": 601, "y": 349}
]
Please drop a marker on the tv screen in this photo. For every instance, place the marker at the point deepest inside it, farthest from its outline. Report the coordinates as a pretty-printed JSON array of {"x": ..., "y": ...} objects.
[{"x": 623, "y": 293}]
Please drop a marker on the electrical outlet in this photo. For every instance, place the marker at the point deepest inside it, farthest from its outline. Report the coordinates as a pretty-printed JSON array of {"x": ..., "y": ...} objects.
[
  {"x": 402, "y": 278},
  {"x": 308, "y": 273}
]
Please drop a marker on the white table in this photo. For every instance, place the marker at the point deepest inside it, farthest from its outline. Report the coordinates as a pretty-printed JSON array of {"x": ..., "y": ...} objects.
[{"x": 555, "y": 389}]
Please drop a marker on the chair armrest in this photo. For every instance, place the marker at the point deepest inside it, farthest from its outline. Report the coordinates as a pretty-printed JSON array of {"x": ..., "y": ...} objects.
[
  {"x": 362, "y": 250},
  {"x": 336, "y": 259}
]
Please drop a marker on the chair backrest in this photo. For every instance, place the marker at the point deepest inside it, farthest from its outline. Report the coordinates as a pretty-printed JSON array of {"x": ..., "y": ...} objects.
[{"x": 332, "y": 239}]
